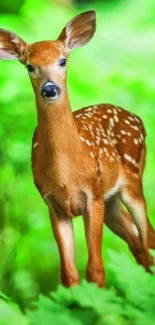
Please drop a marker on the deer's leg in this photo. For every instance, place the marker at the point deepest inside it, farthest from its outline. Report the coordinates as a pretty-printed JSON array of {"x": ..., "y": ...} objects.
[
  {"x": 63, "y": 233},
  {"x": 133, "y": 198},
  {"x": 150, "y": 235},
  {"x": 121, "y": 223},
  {"x": 93, "y": 220}
]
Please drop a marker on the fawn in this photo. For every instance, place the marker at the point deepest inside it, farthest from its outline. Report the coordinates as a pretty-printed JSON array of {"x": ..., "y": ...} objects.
[{"x": 84, "y": 163}]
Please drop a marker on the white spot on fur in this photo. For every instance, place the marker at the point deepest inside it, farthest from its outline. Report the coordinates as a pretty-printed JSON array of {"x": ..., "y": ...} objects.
[
  {"x": 91, "y": 154},
  {"x": 35, "y": 145},
  {"x": 135, "y": 141},
  {"x": 137, "y": 119},
  {"x": 127, "y": 122},
  {"x": 85, "y": 127},
  {"x": 88, "y": 114},
  {"x": 131, "y": 118},
  {"x": 82, "y": 139},
  {"x": 112, "y": 122},
  {"x": 98, "y": 142},
  {"x": 88, "y": 142},
  {"x": 123, "y": 132},
  {"x": 115, "y": 111},
  {"x": 105, "y": 141},
  {"x": 131, "y": 160},
  {"x": 114, "y": 141},
  {"x": 134, "y": 127},
  {"x": 89, "y": 109},
  {"x": 116, "y": 118}
]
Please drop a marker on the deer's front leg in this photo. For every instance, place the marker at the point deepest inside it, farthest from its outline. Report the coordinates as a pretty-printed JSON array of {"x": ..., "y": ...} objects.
[
  {"x": 63, "y": 233},
  {"x": 93, "y": 220}
]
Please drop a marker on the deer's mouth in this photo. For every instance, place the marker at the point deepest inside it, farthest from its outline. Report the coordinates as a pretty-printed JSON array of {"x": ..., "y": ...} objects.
[{"x": 50, "y": 91}]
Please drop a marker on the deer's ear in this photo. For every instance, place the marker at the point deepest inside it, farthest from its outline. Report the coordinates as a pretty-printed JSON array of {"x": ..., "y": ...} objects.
[
  {"x": 79, "y": 30},
  {"x": 11, "y": 46}
]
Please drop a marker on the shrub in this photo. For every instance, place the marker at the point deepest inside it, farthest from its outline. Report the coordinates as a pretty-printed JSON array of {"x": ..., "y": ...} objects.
[{"x": 128, "y": 300}]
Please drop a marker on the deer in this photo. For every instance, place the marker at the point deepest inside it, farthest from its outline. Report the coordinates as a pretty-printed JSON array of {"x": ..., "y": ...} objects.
[{"x": 89, "y": 162}]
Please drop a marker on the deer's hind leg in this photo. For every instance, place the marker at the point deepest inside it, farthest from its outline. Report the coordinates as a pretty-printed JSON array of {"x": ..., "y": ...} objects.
[
  {"x": 150, "y": 235},
  {"x": 133, "y": 198},
  {"x": 121, "y": 223}
]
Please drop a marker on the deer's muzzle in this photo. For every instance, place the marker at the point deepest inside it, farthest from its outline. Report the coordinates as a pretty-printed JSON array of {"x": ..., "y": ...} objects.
[{"x": 50, "y": 91}]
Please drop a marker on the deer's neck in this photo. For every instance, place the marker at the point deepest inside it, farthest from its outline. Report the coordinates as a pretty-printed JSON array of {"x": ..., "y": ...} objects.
[{"x": 57, "y": 130}]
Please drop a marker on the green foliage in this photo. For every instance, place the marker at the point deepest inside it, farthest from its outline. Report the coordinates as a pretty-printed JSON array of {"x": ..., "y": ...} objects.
[
  {"x": 129, "y": 300},
  {"x": 117, "y": 67},
  {"x": 10, "y": 313}
]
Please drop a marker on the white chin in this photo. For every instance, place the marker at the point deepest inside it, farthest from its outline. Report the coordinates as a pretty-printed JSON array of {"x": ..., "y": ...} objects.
[{"x": 52, "y": 99}]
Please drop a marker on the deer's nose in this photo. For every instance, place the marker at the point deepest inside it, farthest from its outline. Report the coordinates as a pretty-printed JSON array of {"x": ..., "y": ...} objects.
[{"x": 50, "y": 91}]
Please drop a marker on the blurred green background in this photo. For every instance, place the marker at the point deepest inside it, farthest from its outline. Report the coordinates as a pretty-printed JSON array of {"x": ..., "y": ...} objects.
[{"x": 118, "y": 67}]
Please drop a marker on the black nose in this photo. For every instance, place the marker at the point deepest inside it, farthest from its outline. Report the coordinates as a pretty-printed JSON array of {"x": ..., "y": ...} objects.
[{"x": 50, "y": 90}]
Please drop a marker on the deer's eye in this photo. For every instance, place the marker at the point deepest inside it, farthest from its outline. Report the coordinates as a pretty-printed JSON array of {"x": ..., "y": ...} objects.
[
  {"x": 30, "y": 68},
  {"x": 62, "y": 62}
]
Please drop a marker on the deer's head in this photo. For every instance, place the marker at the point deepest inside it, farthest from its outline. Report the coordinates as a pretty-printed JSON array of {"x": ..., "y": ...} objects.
[{"x": 46, "y": 60}]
